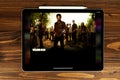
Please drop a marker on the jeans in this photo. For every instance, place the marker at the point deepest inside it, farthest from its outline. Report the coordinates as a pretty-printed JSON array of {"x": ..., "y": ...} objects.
[{"x": 61, "y": 39}]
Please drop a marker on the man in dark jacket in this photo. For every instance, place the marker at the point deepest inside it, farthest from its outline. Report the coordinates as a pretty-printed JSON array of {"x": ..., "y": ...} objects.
[
  {"x": 59, "y": 28},
  {"x": 41, "y": 31},
  {"x": 74, "y": 32}
]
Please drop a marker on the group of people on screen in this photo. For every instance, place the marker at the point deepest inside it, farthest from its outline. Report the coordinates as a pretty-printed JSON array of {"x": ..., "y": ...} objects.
[{"x": 71, "y": 33}]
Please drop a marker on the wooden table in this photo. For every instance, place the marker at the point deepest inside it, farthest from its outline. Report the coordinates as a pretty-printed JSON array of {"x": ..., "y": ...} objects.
[{"x": 10, "y": 41}]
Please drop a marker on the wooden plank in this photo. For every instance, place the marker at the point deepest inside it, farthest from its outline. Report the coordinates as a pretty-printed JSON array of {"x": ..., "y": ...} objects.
[
  {"x": 10, "y": 41},
  {"x": 110, "y": 72},
  {"x": 109, "y": 6}
]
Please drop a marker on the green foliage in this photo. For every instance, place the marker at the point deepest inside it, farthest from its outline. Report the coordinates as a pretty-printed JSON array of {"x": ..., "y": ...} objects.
[
  {"x": 90, "y": 20},
  {"x": 42, "y": 16}
]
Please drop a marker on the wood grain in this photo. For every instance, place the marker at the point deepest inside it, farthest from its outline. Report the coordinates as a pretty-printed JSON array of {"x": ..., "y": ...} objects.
[{"x": 10, "y": 41}]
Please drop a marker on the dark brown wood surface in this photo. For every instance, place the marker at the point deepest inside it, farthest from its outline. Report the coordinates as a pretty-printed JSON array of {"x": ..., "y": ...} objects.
[{"x": 10, "y": 41}]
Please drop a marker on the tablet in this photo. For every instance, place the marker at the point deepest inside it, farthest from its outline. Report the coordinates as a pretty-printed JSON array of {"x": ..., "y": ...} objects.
[{"x": 62, "y": 39}]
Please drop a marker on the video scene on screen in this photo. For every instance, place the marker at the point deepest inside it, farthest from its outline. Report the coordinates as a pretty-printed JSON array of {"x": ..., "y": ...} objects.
[{"x": 61, "y": 31}]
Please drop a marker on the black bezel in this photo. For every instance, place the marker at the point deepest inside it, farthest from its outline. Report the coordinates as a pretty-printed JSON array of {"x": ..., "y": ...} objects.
[{"x": 49, "y": 68}]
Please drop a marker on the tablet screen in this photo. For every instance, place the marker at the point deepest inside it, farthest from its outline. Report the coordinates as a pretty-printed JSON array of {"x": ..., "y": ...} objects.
[{"x": 62, "y": 40}]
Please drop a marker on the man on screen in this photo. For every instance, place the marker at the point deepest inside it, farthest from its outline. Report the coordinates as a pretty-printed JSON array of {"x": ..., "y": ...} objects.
[
  {"x": 59, "y": 28},
  {"x": 74, "y": 32},
  {"x": 41, "y": 31}
]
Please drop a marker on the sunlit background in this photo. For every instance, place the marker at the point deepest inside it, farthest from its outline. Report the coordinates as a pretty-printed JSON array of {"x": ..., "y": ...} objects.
[{"x": 67, "y": 18}]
